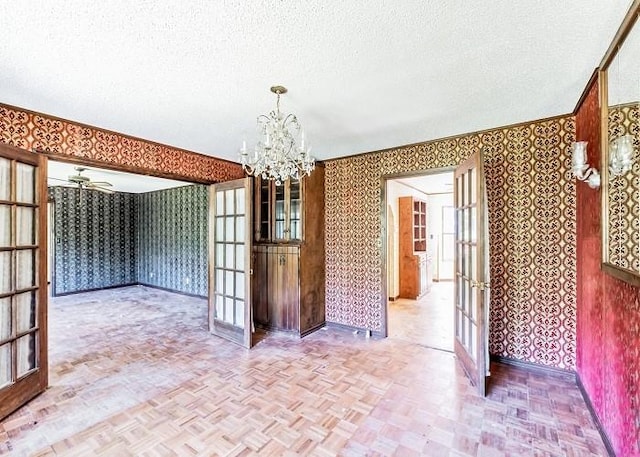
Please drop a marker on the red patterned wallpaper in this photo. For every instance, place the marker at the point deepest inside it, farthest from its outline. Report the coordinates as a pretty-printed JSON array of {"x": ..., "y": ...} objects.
[
  {"x": 35, "y": 131},
  {"x": 531, "y": 201},
  {"x": 608, "y": 312}
]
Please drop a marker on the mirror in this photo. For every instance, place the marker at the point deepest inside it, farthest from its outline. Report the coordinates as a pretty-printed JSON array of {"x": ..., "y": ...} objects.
[{"x": 620, "y": 98}]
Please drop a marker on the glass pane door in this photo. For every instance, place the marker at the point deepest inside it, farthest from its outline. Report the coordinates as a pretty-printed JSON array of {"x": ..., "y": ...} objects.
[
  {"x": 279, "y": 222},
  {"x": 470, "y": 287},
  {"x": 230, "y": 248},
  {"x": 295, "y": 210},
  {"x": 23, "y": 292}
]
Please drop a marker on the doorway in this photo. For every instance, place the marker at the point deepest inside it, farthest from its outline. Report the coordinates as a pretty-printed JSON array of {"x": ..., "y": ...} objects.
[
  {"x": 419, "y": 258},
  {"x": 111, "y": 229}
]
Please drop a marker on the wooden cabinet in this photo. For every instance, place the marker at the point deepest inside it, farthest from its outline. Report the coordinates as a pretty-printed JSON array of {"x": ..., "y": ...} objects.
[
  {"x": 288, "y": 255},
  {"x": 413, "y": 258},
  {"x": 279, "y": 307},
  {"x": 278, "y": 210}
]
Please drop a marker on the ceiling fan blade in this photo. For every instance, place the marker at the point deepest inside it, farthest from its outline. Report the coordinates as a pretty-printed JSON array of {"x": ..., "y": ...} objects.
[
  {"x": 58, "y": 179},
  {"x": 101, "y": 189},
  {"x": 101, "y": 183}
]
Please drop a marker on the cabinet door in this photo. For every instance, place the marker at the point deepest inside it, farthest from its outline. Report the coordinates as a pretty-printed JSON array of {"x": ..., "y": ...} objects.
[
  {"x": 278, "y": 210},
  {"x": 423, "y": 275},
  {"x": 274, "y": 302},
  {"x": 262, "y": 192},
  {"x": 289, "y": 284},
  {"x": 295, "y": 209},
  {"x": 284, "y": 292}
]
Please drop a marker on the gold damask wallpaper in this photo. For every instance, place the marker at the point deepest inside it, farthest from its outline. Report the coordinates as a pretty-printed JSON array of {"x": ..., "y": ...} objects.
[
  {"x": 532, "y": 229},
  {"x": 35, "y": 131},
  {"x": 624, "y": 201}
]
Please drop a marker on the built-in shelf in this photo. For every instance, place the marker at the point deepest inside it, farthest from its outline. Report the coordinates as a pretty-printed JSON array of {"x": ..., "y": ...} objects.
[{"x": 413, "y": 259}]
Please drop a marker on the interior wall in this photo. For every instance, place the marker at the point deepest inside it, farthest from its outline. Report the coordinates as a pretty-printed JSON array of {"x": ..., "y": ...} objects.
[
  {"x": 171, "y": 239},
  {"x": 32, "y": 131},
  {"x": 94, "y": 236},
  {"x": 531, "y": 203},
  {"x": 108, "y": 240},
  {"x": 441, "y": 263},
  {"x": 608, "y": 313}
]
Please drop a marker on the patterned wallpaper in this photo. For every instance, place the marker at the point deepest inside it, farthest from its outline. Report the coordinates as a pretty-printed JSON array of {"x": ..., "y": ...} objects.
[
  {"x": 608, "y": 314},
  {"x": 156, "y": 238},
  {"x": 531, "y": 203},
  {"x": 35, "y": 131},
  {"x": 94, "y": 239},
  {"x": 171, "y": 239},
  {"x": 624, "y": 237}
]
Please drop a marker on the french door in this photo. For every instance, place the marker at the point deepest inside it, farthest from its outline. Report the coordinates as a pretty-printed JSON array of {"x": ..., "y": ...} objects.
[
  {"x": 230, "y": 313},
  {"x": 23, "y": 277},
  {"x": 471, "y": 271}
]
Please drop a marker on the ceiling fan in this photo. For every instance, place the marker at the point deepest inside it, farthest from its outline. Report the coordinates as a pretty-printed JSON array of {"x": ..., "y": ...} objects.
[{"x": 84, "y": 182}]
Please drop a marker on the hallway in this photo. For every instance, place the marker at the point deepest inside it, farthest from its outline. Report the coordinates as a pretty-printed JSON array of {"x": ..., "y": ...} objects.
[
  {"x": 427, "y": 321},
  {"x": 133, "y": 372}
]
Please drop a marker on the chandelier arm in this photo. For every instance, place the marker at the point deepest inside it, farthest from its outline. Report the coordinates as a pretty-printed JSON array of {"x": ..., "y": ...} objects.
[{"x": 277, "y": 156}]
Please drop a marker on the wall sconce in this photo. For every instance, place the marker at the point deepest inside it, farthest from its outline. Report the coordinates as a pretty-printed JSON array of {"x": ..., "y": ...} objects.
[
  {"x": 579, "y": 166},
  {"x": 620, "y": 155}
]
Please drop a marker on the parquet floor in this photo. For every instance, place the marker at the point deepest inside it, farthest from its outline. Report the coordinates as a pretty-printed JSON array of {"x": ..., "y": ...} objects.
[
  {"x": 427, "y": 321},
  {"x": 135, "y": 373}
]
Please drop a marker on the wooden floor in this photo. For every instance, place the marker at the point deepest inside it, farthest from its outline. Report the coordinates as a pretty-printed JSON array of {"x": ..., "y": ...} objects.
[
  {"x": 427, "y": 321},
  {"x": 134, "y": 372}
]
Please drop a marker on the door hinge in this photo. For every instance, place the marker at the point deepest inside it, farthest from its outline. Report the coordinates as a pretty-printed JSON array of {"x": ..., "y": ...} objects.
[{"x": 480, "y": 285}]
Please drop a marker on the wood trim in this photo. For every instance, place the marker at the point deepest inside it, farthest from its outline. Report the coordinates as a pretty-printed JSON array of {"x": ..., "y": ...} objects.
[
  {"x": 592, "y": 80},
  {"x": 211, "y": 212},
  {"x": 452, "y": 137},
  {"x": 620, "y": 273},
  {"x": 594, "y": 416},
  {"x": 603, "y": 96},
  {"x": 312, "y": 329},
  {"x": 114, "y": 166},
  {"x": 384, "y": 257},
  {"x": 96, "y": 289},
  {"x": 248, "y": 268},
  {"x": 621, "y": 35},
  {"x": 356, "y": 331},
  {"x": 43, "y": 279},
  {"x": 15, "y": 153},
  {"x": 533, "y": 367},
  {"x": 166, "y": 289},
  {"x": 112, "y": 132}
]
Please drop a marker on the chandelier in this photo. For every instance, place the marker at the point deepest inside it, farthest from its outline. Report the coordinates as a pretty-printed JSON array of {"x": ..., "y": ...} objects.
[{"x": 278, "y": 155}]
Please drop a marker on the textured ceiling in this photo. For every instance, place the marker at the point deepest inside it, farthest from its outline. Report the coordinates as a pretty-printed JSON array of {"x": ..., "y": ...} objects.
[{"x": 362, "y": 75}]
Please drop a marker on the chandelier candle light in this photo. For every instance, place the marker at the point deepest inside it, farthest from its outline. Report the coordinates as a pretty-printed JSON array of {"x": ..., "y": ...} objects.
[
  {"x": 278, "y": 155},
  {"x": 621, "y": 155},
  {"x": 579, "y": 166}
]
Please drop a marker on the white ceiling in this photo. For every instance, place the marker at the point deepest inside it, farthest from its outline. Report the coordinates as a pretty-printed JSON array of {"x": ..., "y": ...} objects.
[
  {"x": 362, "y": 75},
  {"x": 59, "y": 172},
  {"x": 438, "y": 183}
]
